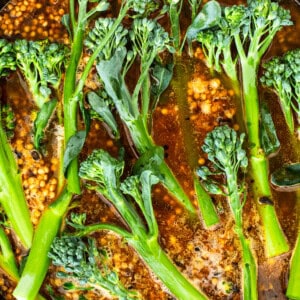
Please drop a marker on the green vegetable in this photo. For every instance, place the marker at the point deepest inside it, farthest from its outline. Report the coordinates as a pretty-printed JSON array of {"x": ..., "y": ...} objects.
[
  {"x": 174, "y": 8},
  {"x": 37, "y": 263},
  {"x": 224, "y": 150},
  {"x": 42, "y": 64},
  {"x": 251, "y": 30},
  {"x": 7, "y": 259},
  {"x": 195, "y": 5},
  {"x": 85, "y": 265},
  {"x": 8, "y": 121},
  {"x": 106, "y": 171},
  {"x": 12, "y": 198},
  {"x": 7, "y": 58},
  {"x": 283, "y": 75},
  {"x": 101, "y": 109}
]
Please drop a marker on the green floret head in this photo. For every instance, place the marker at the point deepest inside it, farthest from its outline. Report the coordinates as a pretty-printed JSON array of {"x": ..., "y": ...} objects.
[
  {"x": 68, "y": 252},
  {"x": 143, "y": 8},
  {"x": 8, "y": 120},
  {"x": 98, "y": 33},
  {"x": 224, "y": 148},
  {"x": 7, "y": 58},
  {"x": 131, "y": 186},
  {"x": 149, "y": 38},
  {"x": 85, "y": 264},
  {"x": 103, "y": 169},
  {"x": 42, "y": 64}
]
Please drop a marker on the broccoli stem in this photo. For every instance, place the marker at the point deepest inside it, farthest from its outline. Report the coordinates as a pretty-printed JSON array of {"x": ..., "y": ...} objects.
[
  {"x": 293, "y": 291},
  {"x": 179, "y": 84},
  {"x": 288, "y": 115},
  {"x": 7, "y": 259},
  {"x": 37, "y": 263},
  {"x": 249, "y": 269},
  {"x": 174, "y": 14},
  {"x": 71, "y": 103},
  {"x": 12, "y": 197},
  {"x": 151, "y": 252},
  {"x": 207, "y": 209},
  {"x": 276, "y": 243}
]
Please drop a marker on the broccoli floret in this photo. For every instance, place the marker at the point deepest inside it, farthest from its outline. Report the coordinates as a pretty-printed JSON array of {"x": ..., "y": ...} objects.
[
  {"x": 283, "y": 75},
  {"x": 224, "y": 150},
  {"x": 8, "y": 120},
  {"x": 42, "y": 64},
  {"x": 106, "y": 172},
  {"x": 86, "y": 265},
  {"x": 99, "y": 31},
  {"x": 7, "y": 58}
]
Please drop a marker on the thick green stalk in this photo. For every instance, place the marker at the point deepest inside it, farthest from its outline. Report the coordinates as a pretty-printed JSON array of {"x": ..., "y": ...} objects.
[
  {"x": 37, "y": 263},
  {"x": 206, "y": 206},
  {"x": 71, "y": 103},
  {"x": 151, "y": 252},
  {"x": 293, "y": 291},
  {"x": 12, "y": 196},
  {"x": 7, "y": 259},
  {"x": 179, "y": 85},
  {"x": 275, "y": 241},
  {"x": 249, "y": 269}
]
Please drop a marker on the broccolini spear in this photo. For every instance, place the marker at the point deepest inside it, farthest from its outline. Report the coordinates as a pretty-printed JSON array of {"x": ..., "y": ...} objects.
[
  {"x": 148, "y": 40},
  {"x": 224, "y": 150},
  {"x": 251, "y": 29},
  {"x": 85, "y": 265},
  {"x": 283, "y": 75},
  {"x": 106, "y": 171},
  {"x": 42, "y": 64}
]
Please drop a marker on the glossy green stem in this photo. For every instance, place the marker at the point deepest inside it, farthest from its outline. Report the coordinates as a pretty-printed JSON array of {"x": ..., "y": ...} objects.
[
  {"x": 37, "y": 263},
  {"x": 293, "y": 290},
  {"x": 206, "y": 206},
  {"x": 249, "y": 269},
  {"x": 7, "y": 259},
  {"x": 174, "y": 14},
  {"x": 12, "y": 196},
  {"x": 275, "y": 242},
  {"x": 71, "y": 103},
  {"x": 160, "y": 264}
]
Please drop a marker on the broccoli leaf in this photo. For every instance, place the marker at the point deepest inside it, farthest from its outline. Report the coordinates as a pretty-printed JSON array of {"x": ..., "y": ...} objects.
[
  {"x": 287, "y": 177},
  {"x": 208, "y": 17},
  {"x": 101, "y": 107},
  {"x": 269, "y": 139},
  {"x": 42, "y": 120},
  {"x": 73, "y": 148},
  {"x": 162, "y": 76}
]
